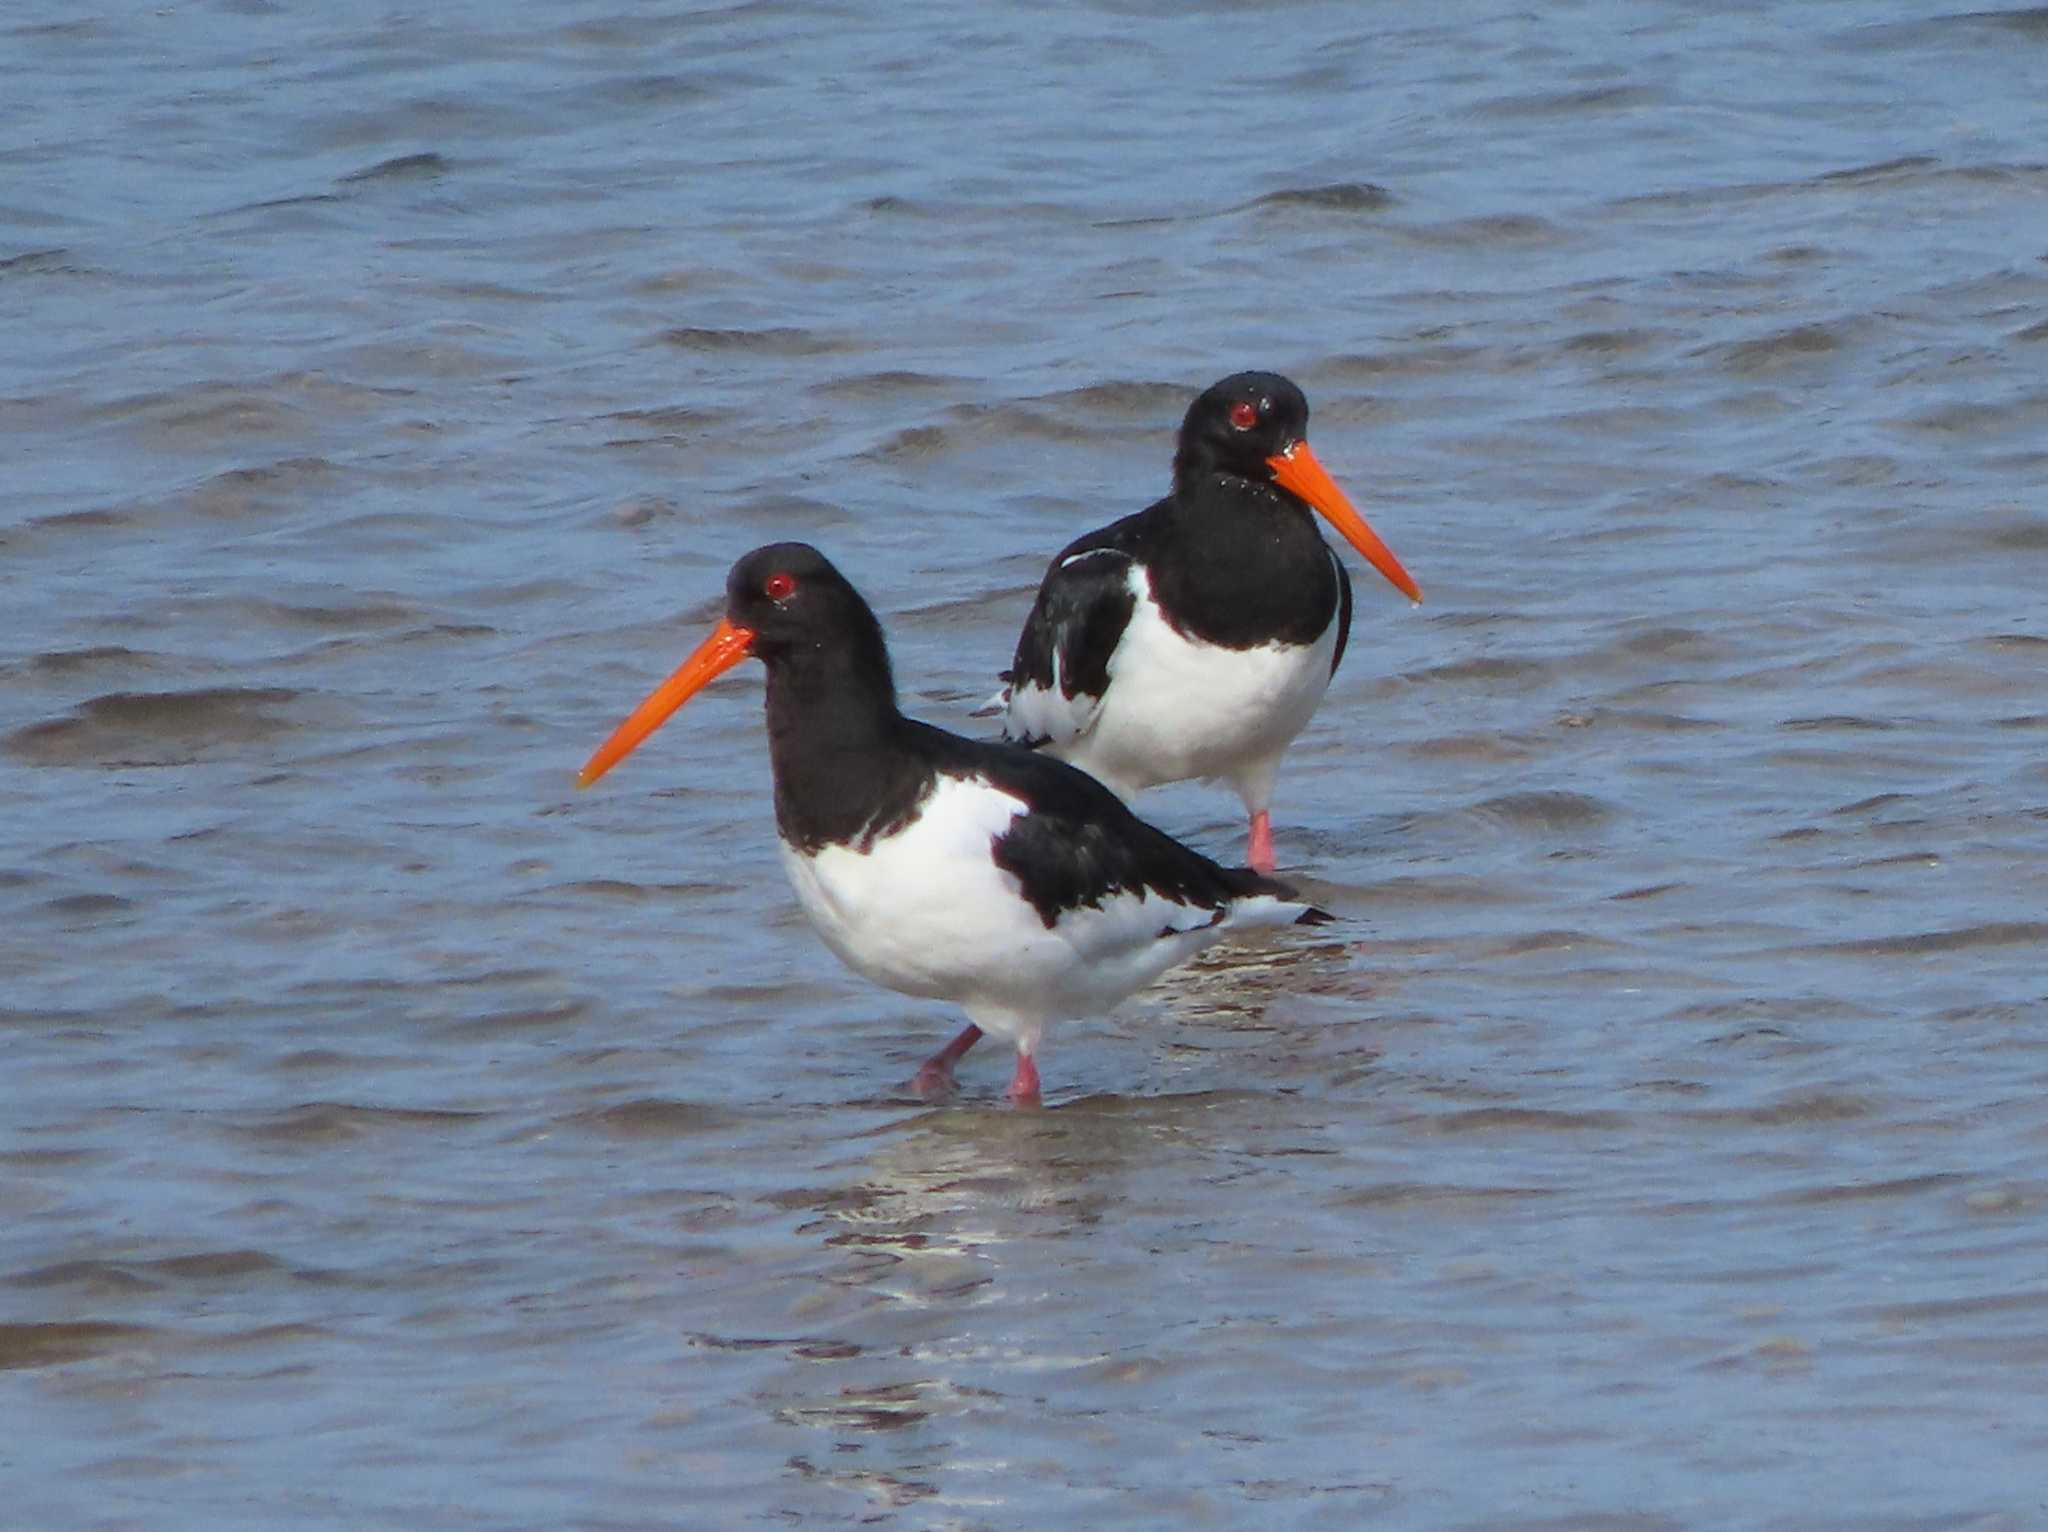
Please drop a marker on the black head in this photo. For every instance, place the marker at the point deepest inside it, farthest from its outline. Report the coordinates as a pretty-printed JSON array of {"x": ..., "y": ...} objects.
[
  {"x": 790, "y": 597},
  {"x": 1239, "y": 425},
  {"x": 1254, "y": 425},
  {"x": 786, "y": 605}
]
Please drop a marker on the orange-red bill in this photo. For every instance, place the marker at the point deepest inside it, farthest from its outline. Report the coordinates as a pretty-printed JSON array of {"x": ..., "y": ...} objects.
[
  {"x": 725, "y": 648},
  {"x": 1297, "y": 471}
]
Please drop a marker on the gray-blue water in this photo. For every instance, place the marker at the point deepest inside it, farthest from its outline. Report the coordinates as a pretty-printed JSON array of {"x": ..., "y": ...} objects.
[{"x": 391, "y": 1137}]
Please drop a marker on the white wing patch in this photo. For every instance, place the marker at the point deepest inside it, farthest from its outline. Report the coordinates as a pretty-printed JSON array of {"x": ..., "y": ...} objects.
[
  {"x": 1041, "y": 714},
  {"x": 1045, "y": 714}
]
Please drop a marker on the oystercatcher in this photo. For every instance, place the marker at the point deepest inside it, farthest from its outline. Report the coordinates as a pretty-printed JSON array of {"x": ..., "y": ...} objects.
[
  {"x": 945, "y": 867},
  {"x": 1195, "y": 638}
]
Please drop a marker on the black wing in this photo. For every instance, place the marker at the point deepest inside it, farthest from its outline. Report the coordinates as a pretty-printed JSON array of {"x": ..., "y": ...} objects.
[
  {"x": 1078, "y": 845},
  {"x": 1061, "y": 669},
  {"x": 1343, "y": 611}
]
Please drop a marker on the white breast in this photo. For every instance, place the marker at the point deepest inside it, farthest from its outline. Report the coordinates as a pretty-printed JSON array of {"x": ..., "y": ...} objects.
[
  {"x": 921, "y": 910},
  {"x": 1178, "y": 708}
]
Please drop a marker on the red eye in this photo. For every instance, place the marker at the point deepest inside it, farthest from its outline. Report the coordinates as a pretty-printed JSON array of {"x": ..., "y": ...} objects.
[
  {"x": 1243, "y": 416},
  {"x": 779, "y": 587}
]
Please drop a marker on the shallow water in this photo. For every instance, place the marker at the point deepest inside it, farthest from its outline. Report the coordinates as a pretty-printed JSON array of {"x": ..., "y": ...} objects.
[{"x": 394, "y": 1137}]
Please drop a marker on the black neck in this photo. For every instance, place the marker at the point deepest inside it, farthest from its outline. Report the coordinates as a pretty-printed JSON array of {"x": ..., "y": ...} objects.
[
  {"x": 836, "y": 741},
  {"x": 1193, "y": 463},
  {"x": 1251, "y": 567}
]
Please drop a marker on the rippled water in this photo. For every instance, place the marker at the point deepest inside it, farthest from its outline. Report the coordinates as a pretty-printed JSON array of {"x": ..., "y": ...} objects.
[{"x": 393, "y": 1138}]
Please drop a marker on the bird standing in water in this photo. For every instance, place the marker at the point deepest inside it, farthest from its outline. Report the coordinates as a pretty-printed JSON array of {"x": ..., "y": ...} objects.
[
  {"x": 1195, "y": 638},
  {"x": 943, "y": 867}
]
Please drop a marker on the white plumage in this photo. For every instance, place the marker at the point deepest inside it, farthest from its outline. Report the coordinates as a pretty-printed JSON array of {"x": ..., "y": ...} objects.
[{"x": 1196, "y": 710}]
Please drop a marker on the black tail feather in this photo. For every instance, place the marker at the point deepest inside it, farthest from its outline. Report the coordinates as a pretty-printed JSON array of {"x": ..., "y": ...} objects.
[{"x": 1257, "y": 883}]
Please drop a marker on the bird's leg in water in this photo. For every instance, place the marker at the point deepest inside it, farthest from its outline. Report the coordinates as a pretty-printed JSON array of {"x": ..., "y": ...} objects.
[
  {"x": 1260, "y": 852},
  {"x": 1023, "y": 1089},
  {"x": 934, "y": 1077}
]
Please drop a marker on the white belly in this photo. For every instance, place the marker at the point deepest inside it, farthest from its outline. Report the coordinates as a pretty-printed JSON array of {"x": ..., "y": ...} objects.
[
  {"x": 1177, "y": 708},
  {"x": 927, "y": 912}
]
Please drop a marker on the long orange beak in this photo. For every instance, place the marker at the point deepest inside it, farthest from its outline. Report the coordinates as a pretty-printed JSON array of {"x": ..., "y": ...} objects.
[
  {"x": 725, "y": 648},
  {"x": 1297, "y": 471}
]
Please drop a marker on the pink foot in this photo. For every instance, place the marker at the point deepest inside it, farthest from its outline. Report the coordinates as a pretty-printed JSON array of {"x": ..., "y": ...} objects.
[
  {"x": 934, "y": 1077},
  {"x": 1023, "y": 1089},
  {"x": 1260, "y": 852}
]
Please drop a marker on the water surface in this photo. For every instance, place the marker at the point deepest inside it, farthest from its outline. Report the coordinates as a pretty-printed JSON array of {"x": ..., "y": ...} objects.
[{"x": 396, "y": 1138}]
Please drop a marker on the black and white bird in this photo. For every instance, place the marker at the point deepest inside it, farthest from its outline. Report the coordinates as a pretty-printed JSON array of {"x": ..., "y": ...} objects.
[
  {"x": 943, "y": 867},
  {"x": 1195, "y": 638}
]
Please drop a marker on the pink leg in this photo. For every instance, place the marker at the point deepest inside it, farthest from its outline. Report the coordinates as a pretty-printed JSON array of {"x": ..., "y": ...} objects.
[
  {"x": 934, "y": 1076},
  {"x": 1023, "y": 1089},
  {"x": 1260, "y": 853}
]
